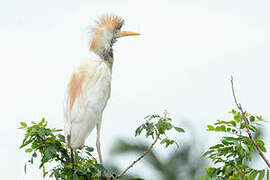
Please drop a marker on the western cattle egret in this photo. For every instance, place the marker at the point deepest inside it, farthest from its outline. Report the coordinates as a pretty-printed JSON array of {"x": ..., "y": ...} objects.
[{"x": 90, "y": 85}]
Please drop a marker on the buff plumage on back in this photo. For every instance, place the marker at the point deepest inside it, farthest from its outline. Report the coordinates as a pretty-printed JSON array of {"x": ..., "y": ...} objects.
[{"x": 75, "y": 87}]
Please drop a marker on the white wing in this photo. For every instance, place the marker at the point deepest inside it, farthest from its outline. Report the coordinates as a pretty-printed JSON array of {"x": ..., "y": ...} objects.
[{"x": 87, "y": 95}]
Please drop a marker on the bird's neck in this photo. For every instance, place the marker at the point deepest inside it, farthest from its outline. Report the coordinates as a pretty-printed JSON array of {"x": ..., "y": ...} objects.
[
  {"x": 107, "y": 55},
  {"x": 103, "y": 50},
  {"x": 103, "y": 46}
]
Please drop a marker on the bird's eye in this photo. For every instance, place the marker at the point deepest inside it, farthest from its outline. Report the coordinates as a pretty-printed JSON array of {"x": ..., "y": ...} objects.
[{"x": 115, "y": 32}]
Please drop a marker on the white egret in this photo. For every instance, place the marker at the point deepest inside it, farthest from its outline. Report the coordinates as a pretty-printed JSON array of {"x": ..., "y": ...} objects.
[{"x": 90, "y": 85}]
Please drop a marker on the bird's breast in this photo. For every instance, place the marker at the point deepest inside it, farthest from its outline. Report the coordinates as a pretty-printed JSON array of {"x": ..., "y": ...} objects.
[
  {"x": 97, "y": 87},
  {"x": 89, "y": 88}
]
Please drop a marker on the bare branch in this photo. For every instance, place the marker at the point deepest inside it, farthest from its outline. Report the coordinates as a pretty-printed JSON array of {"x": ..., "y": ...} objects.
[
  {"x": 243, "y": 113},
  {"x": 142, "y": 156}
]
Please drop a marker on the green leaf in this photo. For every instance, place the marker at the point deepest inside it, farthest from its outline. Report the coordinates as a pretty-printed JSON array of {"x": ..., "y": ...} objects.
[
  {"x": 167, "y": 142},
  {"x": 237, "y": 117},
  {"x": 23, "y": 124},
  {"x": 252, "y": 118},
  {"x": 218, "y": 128},
  {"x": 139, "y": 130},
  {"x": 41, "y": 122},
  {"x": 48, "y": 154},
  {"x": 260, "y": 118},
  {"x": 233, "y": 123},
  {"x": 150, "y": 117},
  {"x": 41, "y": 133},
  {"x": 179, "y": 129},
  {"x": 26, "y": 143},
  {"x": 89, "y": 149},
  {"x": 261, "y": 145},
  {"x": 99, "y": 167},
  {"x": 75, "y": 176},
  {"x": 56, "y": 130},
  {"x": 61, "y": 137},
  {"x": 208, "y": 152},
  {"x": 149, "y": 127},
  {"x": 52, "y": 149},
  {"x": 28, "y": 150},
  {"x": 252, "y": 175},
  {"x": 163, "y": 125},
  {"x": 44, "y": 175},
  {"x": 210, "y": 128},
  {"x": 262, "y": 173},
  {"x": 217, "y": 146},
  {"x": 242, "y": 126}
]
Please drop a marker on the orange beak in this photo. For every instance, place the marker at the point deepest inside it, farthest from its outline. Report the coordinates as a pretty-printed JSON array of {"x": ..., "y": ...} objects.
[{"x": 126, "y": 33}]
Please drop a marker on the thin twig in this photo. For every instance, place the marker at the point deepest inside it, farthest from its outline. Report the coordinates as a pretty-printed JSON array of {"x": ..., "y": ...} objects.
[
  {"x": 72, "y": 155},
  {"x": 247, "y": 127},
  {"x": 72, "y": 159},
  {"x": 142, "y": 156}
]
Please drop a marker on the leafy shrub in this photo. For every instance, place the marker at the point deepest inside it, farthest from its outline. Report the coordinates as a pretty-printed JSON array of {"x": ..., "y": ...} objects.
[
  {"x": 49, "y": 144},
  {"x": 233, "y": 154}
]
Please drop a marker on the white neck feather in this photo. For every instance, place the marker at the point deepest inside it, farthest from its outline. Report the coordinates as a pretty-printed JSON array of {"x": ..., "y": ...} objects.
[{"x": 102, "y": 44}]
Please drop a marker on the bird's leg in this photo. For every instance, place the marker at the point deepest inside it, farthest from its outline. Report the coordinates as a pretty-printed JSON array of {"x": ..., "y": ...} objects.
[
  {"x": 72, "y": 155},
  {"x": 72, "y": 159},
  {"x": 98, "y": 143}
]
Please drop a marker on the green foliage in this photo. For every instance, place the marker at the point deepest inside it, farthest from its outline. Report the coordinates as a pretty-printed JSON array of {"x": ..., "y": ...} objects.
[
  {"x": 232, "y": 154},
  {"x": 49, "y": 145},
  {"x": 156, "y": 126}
]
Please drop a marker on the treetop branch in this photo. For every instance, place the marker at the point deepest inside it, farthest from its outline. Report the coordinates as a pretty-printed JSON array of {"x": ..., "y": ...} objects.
[
  {"x": 243, "y": 113},
  {"x": 142, "y": 156}
]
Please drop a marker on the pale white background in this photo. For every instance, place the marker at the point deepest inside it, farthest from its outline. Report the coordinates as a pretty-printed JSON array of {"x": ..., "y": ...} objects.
[{"x": 182, "y": 62}]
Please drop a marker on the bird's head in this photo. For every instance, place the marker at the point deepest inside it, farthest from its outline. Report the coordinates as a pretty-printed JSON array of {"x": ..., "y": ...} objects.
[{"x": 106, "y": 33}]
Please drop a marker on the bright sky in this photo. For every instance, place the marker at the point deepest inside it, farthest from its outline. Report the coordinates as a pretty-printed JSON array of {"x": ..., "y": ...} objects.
[{"x": 182, "y": 62}]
